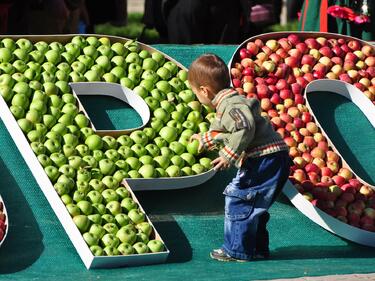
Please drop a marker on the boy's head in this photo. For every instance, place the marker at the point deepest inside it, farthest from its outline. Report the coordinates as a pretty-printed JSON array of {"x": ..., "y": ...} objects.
[{"x": 207, "y": 76}]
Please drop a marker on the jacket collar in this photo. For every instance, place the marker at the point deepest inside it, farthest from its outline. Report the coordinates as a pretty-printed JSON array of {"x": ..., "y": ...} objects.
[{"x": 222, "y": 95}]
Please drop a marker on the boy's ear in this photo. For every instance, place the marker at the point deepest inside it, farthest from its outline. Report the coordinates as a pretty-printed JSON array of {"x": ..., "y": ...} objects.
[{"x": 204, "y": 90}]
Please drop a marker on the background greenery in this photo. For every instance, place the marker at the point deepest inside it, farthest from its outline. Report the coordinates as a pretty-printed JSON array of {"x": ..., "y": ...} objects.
[{"x": 135, "y": 29}]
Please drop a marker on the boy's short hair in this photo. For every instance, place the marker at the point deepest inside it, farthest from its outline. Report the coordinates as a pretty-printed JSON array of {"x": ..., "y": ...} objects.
[{"x": 209, "y": 70}]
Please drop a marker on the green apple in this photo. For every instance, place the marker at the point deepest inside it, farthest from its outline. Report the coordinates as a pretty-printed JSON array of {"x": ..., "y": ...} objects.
[
  {"x": 53, "y": 56},
  {"x": 20, "y": 66},
  {"x": 187, "y": 171},
  {"x": 34, "y": 135},
  {"x": 163, "y": 86},
  {"x": 92, "y": 76},
  {"x": 138, "y": 149},
  {"x": 38, "y": 148},
  {"x": 97, "y": 250},
  {"x": 126, "y": 235},
  {"x": 83, "y": 175},
  {"x": 206, "y": 163},
  {"x": 66, "y": 199},
  {"x": 122, "y": 219},
  {"x": 203, "y": 127},
  {"x": 142, "y": 237},
  {"x": 198, "y": 168},
  {"x": 166, "y": 151},
  {"x": 6, "y": 80},
  {"x": 67, "y": 170},
  {"x": 164, "y": 73},
  {"x": 78, "y": 67},
  {"x": 173, "y": 68},
  {"x": 9, "y": 43},
  {"x": 90, "y": 239},
  {"x": 162, "y": 161},
  {"x": 50, "y": 88},
  {"x": 81, "y": 120},
  {"x": 99, "y": 208},
  {"x": 147, "y": 171},
  {"x": 145, "y": 227},
  {"x": 167, "y": 106},
  {"x": 21, "y": 54},
  {"x": 69, "y": 150},
  {"x": 111, "y": 227},
  {"x": 156, "y": 124},
  {"x": 168, "y": 133},
  {"x": 125, "y": 151},
  {"x": 97, "y": 230},
  {"x": 17, "y": 111},
  {"x": 133, "y": 57},
  {"x": 52, "y": 173},
  {"x": 86, "y": 60},
  {"x": 49, "y": 120},
  {"x": 121, "y": 164},
  {"x": 133, "y": 162},
  {"x": 118, "y": 61},
  {"x": 150, "y": 64},
  {"x": 109, "y": 195},
  {"x": 98, "y": 155},
  {"x": 152, "y": 103},
  {"x": 110, "y": 240},
  {"x": 35, "y": 85},
  {"x": 184, "y": 140},
  {"x": 155, "y": 246},
  {"x": 141, "y": 248},
  {"x": 158, "y": 57},
  {"x": 136, "y": 215},
  {"x": 6, "y": 92},
  {"x": 69, "y": 182},
  {"x": 95, "y": 218},
  {"x": 75, "y": 162},
  {"x": 73, "y": 209},
  {"x": 134, "y": 174},
  {"x": 109, "y": 142},
  {"x": 109, "y": 77},
  {"x": 173, "y": 171},
  {"x": 162, "y": 115},
  {"x": 127, "y": 82},
  {"x": 82, "y": 222},
  {"x": 141, "y": 91},
  {"x": 20, "y": 100},
  {"x": 112, "y": 154},
  {"x": 150, "y": 75},
  {"x": 108, "y": 218},
  {"x": 119, "y": 175},
  {"x": 44, "y": 160},
  {"x": 182, "y": 75},
  {"x": 152, "y": 149},
  {"x": 125, "y": 140},
  {"x": 90, "y": 51},
  {"x": 7, "y": 68},
  {"x": 85, "y": 207},
  {"x": 94, "y": 142},
  {"x": 187, "y": 96},
  {"x": 52, "y": 145},
  {"x": 118, "y": 72},
  {"x": 111, "y": 251},
  {"x": 175, "y": 124},
  {"x": 139, "y": 137},
  {"x": 125, "y": 249},
  {"x": 58, "y": 159},
  {"x": 25, "y": 125},
  {"x": 83, "y": 150},
  {"x": 89, "y": 161},
  {"x": 128, "y": 204},
  {"x": 79, "y": 195},
  {"x": 104, "y": 62},
  {"x": 96, "y": 185},
  {"x": 188, "y": 158},
  {"x": 192, "y": 147},
  {"x": 160, "y": 172},
  {"x": 178, "y": 161},
  {"x": 110, "y": 182},
  {"x": 177, "y": 116},
  {"x": 57, "y": 46},
  {"x": 122, "y": 192},
  {"x": 96, "y": 173},
  {"x": 177, "y": 147},
  {"x": 86, "y": 132},
  {"x": 160, "y": 142},
  {"x": 105, "y": 50},
  {"x": 114, "y": 207},
  {"x": 156, "y": 94}
]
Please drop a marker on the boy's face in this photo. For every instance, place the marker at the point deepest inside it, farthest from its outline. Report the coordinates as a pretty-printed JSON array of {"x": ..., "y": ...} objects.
[{"x": 204, "y": 95}]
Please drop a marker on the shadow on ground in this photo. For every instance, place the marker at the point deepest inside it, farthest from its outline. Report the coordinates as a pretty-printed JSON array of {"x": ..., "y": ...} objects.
[{"x": 23, "y": 244}]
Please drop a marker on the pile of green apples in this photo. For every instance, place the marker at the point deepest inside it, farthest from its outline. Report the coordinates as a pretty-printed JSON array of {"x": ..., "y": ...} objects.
[{"x": 86, "y": 169}]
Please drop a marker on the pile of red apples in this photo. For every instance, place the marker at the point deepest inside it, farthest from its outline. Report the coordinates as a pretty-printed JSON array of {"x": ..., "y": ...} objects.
[{"x": 276, "y": 72}]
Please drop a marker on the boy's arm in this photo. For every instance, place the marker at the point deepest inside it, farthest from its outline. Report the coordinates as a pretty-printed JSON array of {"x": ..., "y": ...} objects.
[{"x": 239, "y": 122}]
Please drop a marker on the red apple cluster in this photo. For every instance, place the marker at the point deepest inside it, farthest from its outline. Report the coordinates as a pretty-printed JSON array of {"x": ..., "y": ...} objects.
[
  {"x": 276, "y": 72},
  {"x": 3, "y": 220}
]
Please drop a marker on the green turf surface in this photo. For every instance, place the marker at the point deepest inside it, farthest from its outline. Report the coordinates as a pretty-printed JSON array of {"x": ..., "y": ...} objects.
[
  {"x": 189, "y": 220},
  {"x": 349, "y": 129}
]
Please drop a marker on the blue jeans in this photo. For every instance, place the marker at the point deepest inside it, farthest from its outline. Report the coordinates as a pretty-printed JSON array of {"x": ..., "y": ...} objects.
[{"x": 247, "y": 199}]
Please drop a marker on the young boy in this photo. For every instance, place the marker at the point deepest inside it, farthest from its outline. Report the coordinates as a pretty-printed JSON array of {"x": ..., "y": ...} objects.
[{"x": 250, "y": 143}]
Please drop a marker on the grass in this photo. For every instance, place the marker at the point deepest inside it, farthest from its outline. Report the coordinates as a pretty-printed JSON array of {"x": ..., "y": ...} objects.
[{"x": 135, "y": 27}]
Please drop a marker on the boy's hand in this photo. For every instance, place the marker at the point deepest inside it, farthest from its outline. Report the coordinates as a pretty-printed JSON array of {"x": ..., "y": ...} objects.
[
  {"x": 198, "y": 138},
  {"x": 220, "y": 163}
]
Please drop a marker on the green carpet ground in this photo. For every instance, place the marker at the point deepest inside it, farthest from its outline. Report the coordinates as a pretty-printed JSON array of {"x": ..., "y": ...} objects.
[{"x": 189, "y": 220}]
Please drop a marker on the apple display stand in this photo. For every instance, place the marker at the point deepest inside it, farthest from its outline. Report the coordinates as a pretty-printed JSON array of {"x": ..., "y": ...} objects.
[{"x": 318, "y": 216}]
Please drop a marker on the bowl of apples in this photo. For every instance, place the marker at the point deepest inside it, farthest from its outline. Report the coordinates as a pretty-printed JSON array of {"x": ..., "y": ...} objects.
[{"x": 281, "y": 70}]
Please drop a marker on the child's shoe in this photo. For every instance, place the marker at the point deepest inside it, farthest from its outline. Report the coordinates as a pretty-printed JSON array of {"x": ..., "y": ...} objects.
[{"x": 221, "y": 255}]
